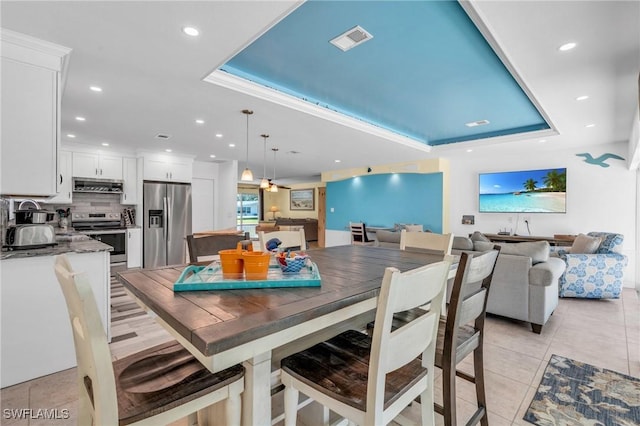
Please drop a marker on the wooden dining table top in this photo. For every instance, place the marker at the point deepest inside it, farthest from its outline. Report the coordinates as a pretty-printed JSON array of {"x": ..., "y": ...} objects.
[{"x": 218, "y": 320}]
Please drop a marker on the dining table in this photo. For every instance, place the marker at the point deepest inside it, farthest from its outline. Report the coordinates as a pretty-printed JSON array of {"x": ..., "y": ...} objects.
[{"x": 259, "y": 326}]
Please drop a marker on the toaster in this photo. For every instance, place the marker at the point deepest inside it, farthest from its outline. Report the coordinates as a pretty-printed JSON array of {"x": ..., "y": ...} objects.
[{"x": 30, "y": 236}]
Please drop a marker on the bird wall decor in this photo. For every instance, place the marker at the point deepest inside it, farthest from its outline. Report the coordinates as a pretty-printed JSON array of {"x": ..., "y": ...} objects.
[{"x": 599, "y": 161}]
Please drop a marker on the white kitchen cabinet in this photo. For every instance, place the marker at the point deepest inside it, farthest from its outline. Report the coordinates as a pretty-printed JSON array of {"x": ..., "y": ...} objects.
[
  {"x": 130, "y": 178},
  {"x": 64, "y": 180},
  {"x": 101, "y": 166},
  {"x": 31, "y": 92},
  {"x": 36, "y": 334},
  {"x": 134, "y": 248},
  {"x": 168, "y": 170}
]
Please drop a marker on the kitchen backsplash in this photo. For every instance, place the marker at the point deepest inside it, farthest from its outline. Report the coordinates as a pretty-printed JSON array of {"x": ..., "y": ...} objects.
[{"x": 90, "y": 203}]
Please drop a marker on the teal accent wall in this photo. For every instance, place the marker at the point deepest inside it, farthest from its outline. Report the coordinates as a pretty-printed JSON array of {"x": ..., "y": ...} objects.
[{"x": 385, "y": 199}]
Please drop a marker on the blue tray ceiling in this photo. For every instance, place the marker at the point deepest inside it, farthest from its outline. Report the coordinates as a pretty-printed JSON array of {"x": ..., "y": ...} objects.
[{"x": 425, "y": 73}]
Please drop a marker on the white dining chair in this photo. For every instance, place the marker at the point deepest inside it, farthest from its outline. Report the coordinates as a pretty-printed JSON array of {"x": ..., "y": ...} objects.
[
  {"x": 426, "y": 241},
  {"x": 370, "y": 380},
  {"x": 289, "y": 239},
  {"x": 159, "y": 385}
]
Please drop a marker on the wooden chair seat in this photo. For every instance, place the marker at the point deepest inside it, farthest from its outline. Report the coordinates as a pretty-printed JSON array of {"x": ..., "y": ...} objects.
[
  {"x": 163, "y": 377},
  {"x": 340, "y": 365}
]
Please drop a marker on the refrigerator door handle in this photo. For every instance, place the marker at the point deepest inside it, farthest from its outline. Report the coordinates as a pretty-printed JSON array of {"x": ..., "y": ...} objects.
[
  {"x": 165, "y": 220},
  {"x": 169, "y": 216}
]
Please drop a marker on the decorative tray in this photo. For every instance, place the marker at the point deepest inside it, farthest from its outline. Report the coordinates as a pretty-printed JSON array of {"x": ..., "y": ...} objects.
[{"x": 210, "y": 278}]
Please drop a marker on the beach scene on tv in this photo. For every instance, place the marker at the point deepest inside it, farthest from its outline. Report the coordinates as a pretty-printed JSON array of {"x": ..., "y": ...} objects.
[{"x": 527, "y": 191}]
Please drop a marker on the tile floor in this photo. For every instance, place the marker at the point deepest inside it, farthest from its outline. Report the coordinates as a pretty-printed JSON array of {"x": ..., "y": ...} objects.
[{"x": 605, "y": 333}]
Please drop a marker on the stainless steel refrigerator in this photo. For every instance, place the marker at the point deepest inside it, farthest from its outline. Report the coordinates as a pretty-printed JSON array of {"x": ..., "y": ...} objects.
[{"x": 167, "y": 221}]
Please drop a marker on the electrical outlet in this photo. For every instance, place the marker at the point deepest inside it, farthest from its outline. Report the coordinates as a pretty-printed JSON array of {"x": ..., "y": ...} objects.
[
  {"x": 527, "y": 218},
  {"x": 510, "y": 220}
]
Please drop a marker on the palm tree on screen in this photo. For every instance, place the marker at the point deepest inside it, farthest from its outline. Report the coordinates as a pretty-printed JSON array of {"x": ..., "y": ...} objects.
[
  {"x": 530, "y": 185},
  {"x": 556, "y": 181}
]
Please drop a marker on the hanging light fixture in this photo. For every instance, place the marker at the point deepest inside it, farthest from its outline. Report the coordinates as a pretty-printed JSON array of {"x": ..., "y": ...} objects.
[
  {"x": 247, "y": 176},
  {"x": 274, "y": 187},
  {"x": 264, "y": 183}
]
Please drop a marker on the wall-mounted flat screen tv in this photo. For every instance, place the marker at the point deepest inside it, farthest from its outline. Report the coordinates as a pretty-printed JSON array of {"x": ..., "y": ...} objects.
[{"x": 526, "y": 191}]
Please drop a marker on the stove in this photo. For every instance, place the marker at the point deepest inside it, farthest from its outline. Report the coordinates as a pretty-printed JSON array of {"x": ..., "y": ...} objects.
[{"x": 105, "y": 227}]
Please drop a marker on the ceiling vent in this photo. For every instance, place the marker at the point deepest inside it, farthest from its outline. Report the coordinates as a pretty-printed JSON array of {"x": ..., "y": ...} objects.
[
  {"x": 477, "y": 123},
  {"x": 161, "y": 136},
  {"x": 351, "y": 38}
]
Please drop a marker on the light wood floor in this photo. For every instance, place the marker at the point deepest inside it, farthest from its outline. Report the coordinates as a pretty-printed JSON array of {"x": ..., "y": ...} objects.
[{"x": 605, "y": 333}]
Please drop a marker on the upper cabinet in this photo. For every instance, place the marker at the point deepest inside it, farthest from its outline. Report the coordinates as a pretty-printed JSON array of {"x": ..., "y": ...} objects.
[
  {"x": 171, "y": 169},
  {"x": 100, "y": 166},
  {"x": 31, "y": 92},
  {"x": 64, "y": 180}
]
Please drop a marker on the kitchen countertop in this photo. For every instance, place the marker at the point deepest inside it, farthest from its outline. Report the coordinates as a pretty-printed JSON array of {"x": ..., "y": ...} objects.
[{"x": 70, "y": 242}]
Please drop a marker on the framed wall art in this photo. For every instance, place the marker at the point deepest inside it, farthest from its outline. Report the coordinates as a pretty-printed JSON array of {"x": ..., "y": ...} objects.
[{"x": 302, "y": 199}]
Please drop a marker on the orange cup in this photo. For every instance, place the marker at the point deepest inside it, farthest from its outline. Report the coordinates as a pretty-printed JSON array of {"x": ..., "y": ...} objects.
[
  {"x": 232, "y": 262},
  {"x": 256, "y": 265}
]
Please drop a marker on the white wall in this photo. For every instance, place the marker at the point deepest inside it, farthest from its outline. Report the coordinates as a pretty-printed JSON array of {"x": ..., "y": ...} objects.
[
  {"x": 226, "y": 194},
  {"x": 598, "y": 199}
]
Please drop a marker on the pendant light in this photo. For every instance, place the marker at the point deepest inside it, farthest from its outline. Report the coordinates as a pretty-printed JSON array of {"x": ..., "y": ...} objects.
[
  {"x": 247, "y": 176},
  {"x": 264, "y": 183},
  {"x": 274, "y": 187}
]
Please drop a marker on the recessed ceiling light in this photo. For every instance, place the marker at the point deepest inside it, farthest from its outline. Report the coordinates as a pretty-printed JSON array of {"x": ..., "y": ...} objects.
[
  {"x": 199, "y": 121},
  {"x": 218, "y": 135},
  {"x": 80, "y": 118},
  {"x": 567, "y": 46},
  {"x": 337, "y": 161},
  {"x": 232, "y": 145},
  {"x": 190, "y": 31},
  {"x": 105, "y": 144},
  {"x": 582, "y": 98},
  {"x": 95, "y": 88},
  {"x": 212, "y": 156},
  {"x": 590, "y": 125},
  {"x": 469, "y": 150},
  {"x": 167, "y": 150},
  {"x": 477, "y": 123},
  {"x": 71, "y": 135},
  {"x": 542, "y": 140}
]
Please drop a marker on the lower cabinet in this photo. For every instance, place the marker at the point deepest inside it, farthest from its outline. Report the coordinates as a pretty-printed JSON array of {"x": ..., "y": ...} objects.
[
  {"x": 36, "y": 334},
  {"x": 134, "y": 248}
]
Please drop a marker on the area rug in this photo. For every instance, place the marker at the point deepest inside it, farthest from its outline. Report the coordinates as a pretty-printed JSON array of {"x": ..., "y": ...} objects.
[{"x": 575, "y": 393}]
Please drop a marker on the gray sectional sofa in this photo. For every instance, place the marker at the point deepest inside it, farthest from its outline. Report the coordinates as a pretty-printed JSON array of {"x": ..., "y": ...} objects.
[{"x": 525, "y": 281}]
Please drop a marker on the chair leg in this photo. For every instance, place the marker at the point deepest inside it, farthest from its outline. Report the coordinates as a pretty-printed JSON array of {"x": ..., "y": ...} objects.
[
  {"x": 427, "y": 413},
  {"x": 290, "y": 405},
  {"x": 449, "y": 393},
  {"x": 233, "y": 409},
  {"x": 478, "y": 370}
]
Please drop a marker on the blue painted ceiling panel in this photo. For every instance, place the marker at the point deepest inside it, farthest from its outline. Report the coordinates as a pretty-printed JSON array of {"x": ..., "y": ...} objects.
[{"x": 426, "y": 72}]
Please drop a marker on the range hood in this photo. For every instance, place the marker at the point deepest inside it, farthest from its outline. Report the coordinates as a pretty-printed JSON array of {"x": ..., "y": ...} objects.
[{"x": 98, "y": 186}]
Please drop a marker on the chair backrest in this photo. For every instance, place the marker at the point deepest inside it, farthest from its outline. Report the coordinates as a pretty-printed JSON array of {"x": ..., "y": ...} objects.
[
  {"x": 210, "y": 245},
  {"x": 426, "y": 241},
  {"x": 468, "y": 301},
  {"x": 95, "y": 368},
  {"x": 289, "y": 239},
  {"x": 391, "y": 350},
  {"x": 358, "y": 233}
]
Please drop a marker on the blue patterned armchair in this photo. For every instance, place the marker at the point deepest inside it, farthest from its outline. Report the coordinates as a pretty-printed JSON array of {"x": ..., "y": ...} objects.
[{"x": 598, "y": 275}]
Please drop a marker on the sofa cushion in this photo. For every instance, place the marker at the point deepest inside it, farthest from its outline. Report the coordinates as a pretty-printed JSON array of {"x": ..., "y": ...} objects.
[
  {"x": 384, "y": 236},
  {"x": 482, "y": 245},
  {"x": 584, "y": 244},
  {"x": 479, "y": 236},
  {"x": 462, "y": 243},
  {"x": 538, "y": 251}
]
